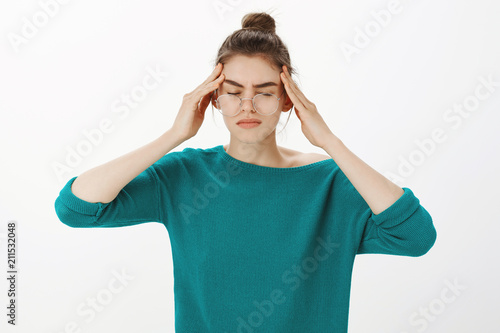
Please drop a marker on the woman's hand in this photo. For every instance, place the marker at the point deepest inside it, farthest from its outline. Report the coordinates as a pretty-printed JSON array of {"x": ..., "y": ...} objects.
[
  {"x": 192, "y": 111},
  {"x": 313, "y": 126}
]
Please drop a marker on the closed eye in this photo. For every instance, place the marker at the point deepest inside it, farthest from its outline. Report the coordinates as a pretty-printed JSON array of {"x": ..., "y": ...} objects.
[{"x": 266, "y": 94}]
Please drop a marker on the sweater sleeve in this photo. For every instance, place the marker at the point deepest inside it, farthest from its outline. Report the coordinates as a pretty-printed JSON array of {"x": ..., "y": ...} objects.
[
  {"x": 405, "y": 228},
  {"x": 136, "y": 203}
]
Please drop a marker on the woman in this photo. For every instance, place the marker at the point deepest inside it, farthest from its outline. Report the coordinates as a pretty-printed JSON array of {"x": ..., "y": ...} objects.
[{"x": 263, "y": 237}]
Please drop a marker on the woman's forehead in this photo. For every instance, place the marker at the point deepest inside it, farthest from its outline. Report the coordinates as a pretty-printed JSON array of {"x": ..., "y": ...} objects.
[{"x": 241, "y": 67}]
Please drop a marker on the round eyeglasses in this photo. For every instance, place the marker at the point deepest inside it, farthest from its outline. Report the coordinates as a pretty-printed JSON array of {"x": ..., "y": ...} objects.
[{"x": 264, "y": 103}]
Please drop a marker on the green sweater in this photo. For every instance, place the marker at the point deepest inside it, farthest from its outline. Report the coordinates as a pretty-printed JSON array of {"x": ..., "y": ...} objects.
[{"x": 255, "y": 248}]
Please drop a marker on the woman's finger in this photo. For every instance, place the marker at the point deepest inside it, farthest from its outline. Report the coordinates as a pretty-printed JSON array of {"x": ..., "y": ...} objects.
[
  {"x": 207, "y": 91},
  {"x": 203, "y": 90},
  {"x": 292, "y": 93},
  {"x": 295, "y": 88},
  {"x": 213, "y": 77},
  {"x": 205, "y": 101},
  {"x": 211, "y": 86},
  {"x": 217, "y": 70}
]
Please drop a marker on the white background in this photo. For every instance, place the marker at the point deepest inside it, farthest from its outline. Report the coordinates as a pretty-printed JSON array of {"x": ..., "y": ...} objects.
[{"x": 396, "y": 90}]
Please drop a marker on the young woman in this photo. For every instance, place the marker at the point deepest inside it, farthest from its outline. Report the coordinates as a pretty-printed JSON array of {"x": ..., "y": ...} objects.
[{"x": 263, "y": 237}]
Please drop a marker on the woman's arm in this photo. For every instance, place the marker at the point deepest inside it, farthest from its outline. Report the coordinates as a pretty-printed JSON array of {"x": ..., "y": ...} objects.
[
  {"x": 125, "y": 191},
  {"x": 388, "y": 219},
  {"x": 378, "y": 191},
  {"x": 104, "y": 182}
]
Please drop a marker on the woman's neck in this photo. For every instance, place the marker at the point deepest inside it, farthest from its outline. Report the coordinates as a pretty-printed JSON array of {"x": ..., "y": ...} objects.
[{"x": 260, "y": 153}]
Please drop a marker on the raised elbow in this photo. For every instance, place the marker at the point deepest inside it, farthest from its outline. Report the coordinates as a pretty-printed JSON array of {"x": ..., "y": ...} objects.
[
  {"x": 427, "y": 236},
  {"x": 70, "y": 217}
]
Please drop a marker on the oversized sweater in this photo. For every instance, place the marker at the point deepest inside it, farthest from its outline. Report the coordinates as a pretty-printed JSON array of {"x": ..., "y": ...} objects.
[{"x": 256, "y": 248}]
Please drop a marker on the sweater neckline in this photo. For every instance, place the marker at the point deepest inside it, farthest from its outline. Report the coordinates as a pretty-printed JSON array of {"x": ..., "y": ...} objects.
[{"x": 261, "y": 168}]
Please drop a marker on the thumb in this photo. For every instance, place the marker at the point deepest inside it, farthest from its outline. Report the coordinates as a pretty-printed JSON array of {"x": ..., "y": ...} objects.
[{"x": 204, "y": 102}]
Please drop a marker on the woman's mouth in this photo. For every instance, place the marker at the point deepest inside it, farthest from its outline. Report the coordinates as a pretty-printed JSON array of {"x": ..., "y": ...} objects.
[
  {"x": 248, "y": 125},
  {"x": 249, "y": 122}
]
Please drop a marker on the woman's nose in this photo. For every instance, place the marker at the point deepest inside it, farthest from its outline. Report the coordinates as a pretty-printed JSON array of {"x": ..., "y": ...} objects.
[{"x": 247, "y": 104}]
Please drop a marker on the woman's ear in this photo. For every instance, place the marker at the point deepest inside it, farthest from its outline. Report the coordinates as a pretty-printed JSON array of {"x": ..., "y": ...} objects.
[
  {"x": 287, "y": 106},
  {"x": 213, "y": 99}
]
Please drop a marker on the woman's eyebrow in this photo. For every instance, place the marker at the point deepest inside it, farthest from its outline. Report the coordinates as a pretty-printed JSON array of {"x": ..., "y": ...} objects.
[{"x": 260, "y": 85}]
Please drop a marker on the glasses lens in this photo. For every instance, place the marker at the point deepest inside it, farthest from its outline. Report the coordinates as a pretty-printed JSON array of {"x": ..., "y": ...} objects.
[
  {"x": 266, "y": 103},
  {"x": 229, "y": 105}
]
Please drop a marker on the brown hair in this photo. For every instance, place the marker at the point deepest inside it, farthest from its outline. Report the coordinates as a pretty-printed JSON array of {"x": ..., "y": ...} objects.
[{"x": 257, "y": 37}]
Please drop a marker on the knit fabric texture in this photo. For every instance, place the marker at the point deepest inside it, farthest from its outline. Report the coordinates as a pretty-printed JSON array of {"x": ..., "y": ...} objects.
[{"x": 256, "y": 248}]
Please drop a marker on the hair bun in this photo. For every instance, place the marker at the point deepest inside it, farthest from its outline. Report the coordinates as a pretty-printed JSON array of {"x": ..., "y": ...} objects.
[{"x": 258, "y": 21}]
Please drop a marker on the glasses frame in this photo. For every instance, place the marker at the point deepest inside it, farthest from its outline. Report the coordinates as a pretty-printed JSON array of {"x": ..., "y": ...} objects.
[{"x": 241, "y": 102}]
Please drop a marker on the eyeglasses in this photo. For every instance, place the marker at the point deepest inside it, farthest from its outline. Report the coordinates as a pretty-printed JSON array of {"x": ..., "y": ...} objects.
[{"x": 265, "y": 103}]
